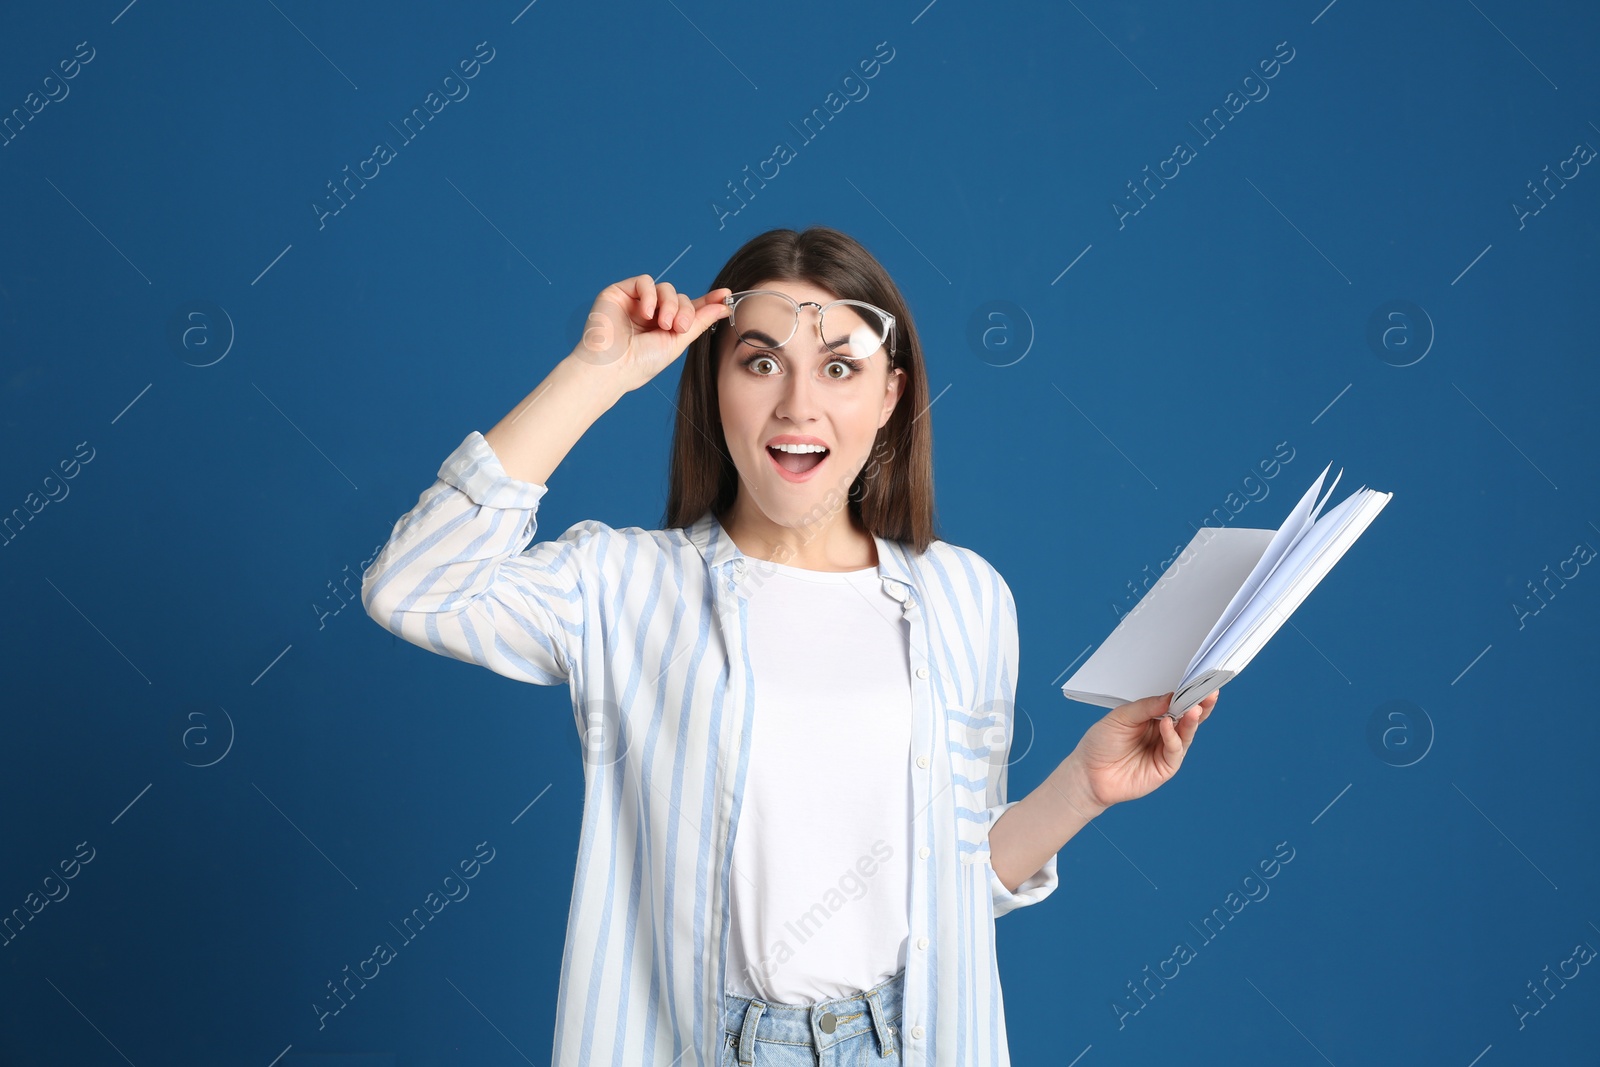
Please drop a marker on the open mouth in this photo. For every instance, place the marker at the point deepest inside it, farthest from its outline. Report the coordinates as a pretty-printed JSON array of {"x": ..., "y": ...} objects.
[{"x": 797, "y": 463}]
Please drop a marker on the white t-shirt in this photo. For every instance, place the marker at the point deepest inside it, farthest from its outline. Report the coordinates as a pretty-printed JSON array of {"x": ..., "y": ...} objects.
[{"x": 818, "y": 893}]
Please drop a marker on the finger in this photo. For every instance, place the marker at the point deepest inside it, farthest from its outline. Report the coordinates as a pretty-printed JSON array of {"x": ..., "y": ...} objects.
[
  {"x": 1138, "y": 712},
  {"x": 635, "y": 297},
  {"x": 708, "y": 310},
  {"x": 1189, "y": 724},
  {"x": 666, "y": 304},
  {"x": 714, "y": 301},
  {"x": 672, "y": 312},
  {"x": 709, "y": 307},
  {"x": 644, "y": 293},
  {"x": 1172, "y": 742},
  {"x": 695, "y": 317}
]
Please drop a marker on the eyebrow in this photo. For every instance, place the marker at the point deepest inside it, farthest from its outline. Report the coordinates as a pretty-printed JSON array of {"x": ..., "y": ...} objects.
[{"x": 822, "y": 350}]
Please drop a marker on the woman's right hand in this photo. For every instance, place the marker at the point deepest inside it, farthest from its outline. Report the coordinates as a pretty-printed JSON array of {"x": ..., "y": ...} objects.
[{"x": 639, "y": 326}]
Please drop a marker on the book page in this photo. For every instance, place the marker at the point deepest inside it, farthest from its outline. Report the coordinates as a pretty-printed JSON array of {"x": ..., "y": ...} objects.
[
  {"x": 1321, "y": 562},
  {"x": 1301, "y": 517},
  {"x": 1301, "y": 570},
  {"x": 1145, "y": 655}
]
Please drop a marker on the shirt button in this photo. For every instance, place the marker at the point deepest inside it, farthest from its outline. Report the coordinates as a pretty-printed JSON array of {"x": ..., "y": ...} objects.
[
  {"x": 738, "y": 565},
  {"x": 916, "y": 1032},
  {"x": 924, "y": 851},
  {"x": 922, "y": 761},
  {"x": 922, "y": 942},
  {"x": 922, "y": 672}
]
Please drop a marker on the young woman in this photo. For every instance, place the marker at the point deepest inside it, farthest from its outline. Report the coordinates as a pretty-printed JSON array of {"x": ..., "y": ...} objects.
[{"x": 795, "y": 700}]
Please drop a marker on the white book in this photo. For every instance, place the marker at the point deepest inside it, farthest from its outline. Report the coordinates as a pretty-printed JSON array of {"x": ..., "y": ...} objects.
[{"x": 1220, "y": 601}]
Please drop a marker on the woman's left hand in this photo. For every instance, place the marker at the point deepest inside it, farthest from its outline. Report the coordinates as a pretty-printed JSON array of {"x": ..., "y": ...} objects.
[{"x": 1136, "y": 747}]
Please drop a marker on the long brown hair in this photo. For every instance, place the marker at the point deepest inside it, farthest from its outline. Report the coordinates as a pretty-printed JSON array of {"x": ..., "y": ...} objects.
[{"x": 892, "y": 496}]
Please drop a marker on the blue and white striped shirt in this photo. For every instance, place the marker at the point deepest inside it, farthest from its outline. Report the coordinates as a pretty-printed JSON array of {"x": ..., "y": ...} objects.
[{"x": 648, "y": 628}]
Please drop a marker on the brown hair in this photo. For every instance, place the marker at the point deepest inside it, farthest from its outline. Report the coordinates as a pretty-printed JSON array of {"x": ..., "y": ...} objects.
[{"x": 892, "y": 496}]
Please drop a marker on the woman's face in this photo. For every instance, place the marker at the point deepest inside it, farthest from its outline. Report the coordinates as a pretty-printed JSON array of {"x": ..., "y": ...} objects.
[{"x": 801, "y": 392}]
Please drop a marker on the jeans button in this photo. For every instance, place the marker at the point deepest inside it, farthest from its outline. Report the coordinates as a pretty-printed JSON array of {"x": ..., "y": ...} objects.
[{"x": 828, "y": 1023}]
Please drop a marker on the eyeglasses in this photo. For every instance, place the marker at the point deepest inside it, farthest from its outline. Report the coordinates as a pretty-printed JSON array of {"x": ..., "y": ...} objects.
[{"x": 766, "y": 318}]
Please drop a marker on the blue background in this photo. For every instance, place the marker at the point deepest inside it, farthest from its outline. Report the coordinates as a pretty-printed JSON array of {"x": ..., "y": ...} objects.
[{"x": 267, "y": 779}]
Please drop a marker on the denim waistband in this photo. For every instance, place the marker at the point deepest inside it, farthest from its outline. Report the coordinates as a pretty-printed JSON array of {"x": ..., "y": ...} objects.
[{"x": 819, "y": 1025}]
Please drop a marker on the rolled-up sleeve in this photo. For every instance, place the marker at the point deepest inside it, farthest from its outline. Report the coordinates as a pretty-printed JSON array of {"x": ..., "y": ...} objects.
[
  {"x": 458, "y": 577},
  {"x": 1042, "y": 882},
  {"x": 1032, "y": 889}
]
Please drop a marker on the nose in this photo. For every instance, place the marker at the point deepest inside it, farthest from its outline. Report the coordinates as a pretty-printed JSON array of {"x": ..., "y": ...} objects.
[{"x": 799, "y": 399}]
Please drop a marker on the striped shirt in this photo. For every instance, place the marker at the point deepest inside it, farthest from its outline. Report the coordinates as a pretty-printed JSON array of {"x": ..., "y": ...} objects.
[{"x": 648, "y": 628}]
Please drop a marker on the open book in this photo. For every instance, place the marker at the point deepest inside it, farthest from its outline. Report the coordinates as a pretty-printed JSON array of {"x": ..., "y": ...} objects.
[{"x": 1219, "y": 602}]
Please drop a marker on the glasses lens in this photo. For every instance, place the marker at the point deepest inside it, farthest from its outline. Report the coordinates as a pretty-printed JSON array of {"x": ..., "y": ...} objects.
[
  {"x": 855, "y": 331},
  {"x": 767, "y": 320}
]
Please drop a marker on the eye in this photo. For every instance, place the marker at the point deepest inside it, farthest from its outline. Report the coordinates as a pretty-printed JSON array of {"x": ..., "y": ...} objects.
[
  {"x": 758, "y": 357},
  {"x": 851, "y": 367}
]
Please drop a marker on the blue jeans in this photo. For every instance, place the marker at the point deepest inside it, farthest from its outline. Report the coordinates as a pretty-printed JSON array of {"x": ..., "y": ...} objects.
[{"x": 847, "y": 1032}]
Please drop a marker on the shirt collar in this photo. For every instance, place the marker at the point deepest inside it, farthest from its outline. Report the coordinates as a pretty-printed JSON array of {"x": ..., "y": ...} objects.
[{"x": 708, "y": 536}]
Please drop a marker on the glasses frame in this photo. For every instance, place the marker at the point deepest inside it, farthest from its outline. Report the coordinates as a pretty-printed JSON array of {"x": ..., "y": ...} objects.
[{"x": 822, "y": 311}]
